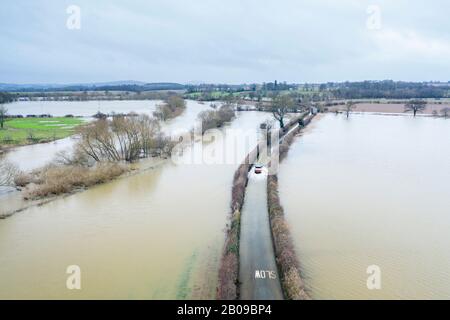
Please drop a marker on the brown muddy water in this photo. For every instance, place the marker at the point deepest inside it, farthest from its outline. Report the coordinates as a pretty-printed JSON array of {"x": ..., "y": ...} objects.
[
  {"x": 371, "y": 190},
  {"x": 155, "y": 235}
]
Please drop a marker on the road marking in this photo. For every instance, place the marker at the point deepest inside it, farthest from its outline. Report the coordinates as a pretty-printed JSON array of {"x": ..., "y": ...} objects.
[{"x": 265, "y": 274}]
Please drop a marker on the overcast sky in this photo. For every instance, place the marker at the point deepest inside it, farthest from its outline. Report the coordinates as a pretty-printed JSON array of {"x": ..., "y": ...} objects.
[{"x": 233, "y": 41}]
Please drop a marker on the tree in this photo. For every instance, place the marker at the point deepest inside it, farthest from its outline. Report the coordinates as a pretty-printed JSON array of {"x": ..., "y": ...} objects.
[
  {"x": 349, "y": 107},
  {"x": 305, "y": 102},
  {"x": 445, "y": 112},
  {"x": 3, "y": 113},
  {"x": 121, "y": 139},
  {"x": 172, "y": 107},
  {"x": 216, "y": 118},
  {"x": 415, "y": 106},
  {"x": 6, "y": 97},
  {"x": 281, "y": 105},
  {"x": 7, "y": 173}
]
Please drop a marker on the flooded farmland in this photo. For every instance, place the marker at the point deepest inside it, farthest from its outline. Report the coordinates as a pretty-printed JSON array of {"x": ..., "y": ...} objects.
[
  {"x": 154, "y": 235},
  {"x": 81, "y": 108},
  {"x": 371, "y": 190},
  {"x": 45, "y": 152}
]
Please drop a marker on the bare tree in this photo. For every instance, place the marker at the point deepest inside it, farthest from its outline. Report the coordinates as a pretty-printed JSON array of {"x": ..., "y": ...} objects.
[
  {"x": 3, "y": 114},
  {"x": 281, "y": 105},
  {"x": 445, "y": 112},
  {"x": 8, "y": 171},
  {"x": 121, "y": 139},
  {"x": 349, "y": 107},
  {"x": 216, "y": 118},
  {"x": 149, "y": 131},
  {"x": 415, "y": 106},
  {"x": 305, "y": 102}
]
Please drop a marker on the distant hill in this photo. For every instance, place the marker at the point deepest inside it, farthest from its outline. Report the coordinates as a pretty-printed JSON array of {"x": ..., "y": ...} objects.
[{"x": 98, "y": 86}]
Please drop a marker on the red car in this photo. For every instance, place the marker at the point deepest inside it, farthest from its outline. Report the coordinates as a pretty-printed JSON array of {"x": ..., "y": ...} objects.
[{"x": 258, "y": 169}]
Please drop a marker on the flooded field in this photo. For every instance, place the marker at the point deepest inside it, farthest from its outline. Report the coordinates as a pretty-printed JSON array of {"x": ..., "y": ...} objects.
[
  {"x": 371, "y": 190},
  {"x": 398, "y": 108},
  {"x": 155, "y": 235},
  {"x": 81, "y": 108},
  {"x": 45, "y": 152}
]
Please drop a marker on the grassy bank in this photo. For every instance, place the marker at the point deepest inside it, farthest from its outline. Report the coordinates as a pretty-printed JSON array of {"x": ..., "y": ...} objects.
[
  {"x": 21, "y": 131},
  {"x": 285, "y": 255}
]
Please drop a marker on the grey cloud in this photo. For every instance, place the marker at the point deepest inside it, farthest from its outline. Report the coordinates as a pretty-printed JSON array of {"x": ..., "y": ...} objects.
[{"x": 223, "y": 41}]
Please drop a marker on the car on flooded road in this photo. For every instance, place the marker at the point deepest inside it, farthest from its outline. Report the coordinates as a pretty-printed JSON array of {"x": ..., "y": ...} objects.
[{"x": 258, "y": 168}]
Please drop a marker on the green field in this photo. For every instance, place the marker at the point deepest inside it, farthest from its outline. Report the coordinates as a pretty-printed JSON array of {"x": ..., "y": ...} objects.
[{"x": 35, "y": 130}]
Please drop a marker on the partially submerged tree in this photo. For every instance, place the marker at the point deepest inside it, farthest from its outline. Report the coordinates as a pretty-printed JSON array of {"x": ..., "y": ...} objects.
[
  {"x": 3, "y": 114},
  {"x": 121, "y": 139},
  {"x": 216, "y": 118},
  {"x": 415, "y": 106},
  {"x": 172, "y": 107},
  {"x": 281, "y": 105},
  {"x": 8, "y": 171},
  {"x": 349, "y": 107}
]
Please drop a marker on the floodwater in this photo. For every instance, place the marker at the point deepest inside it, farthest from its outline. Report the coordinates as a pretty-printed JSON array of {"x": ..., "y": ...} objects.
[
  {"x": 81, "y": 108},
  {"x": 371, "y": 191},
  {"x": 35, "y": 156},
  {"x": 28, "y": 158},
  {"x": 258, "y": 272},
  {"x": 154, "y": 235}
]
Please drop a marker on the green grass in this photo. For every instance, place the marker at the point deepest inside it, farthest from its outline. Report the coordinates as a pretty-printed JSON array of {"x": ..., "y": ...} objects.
[{"x": 34, "y": 130}]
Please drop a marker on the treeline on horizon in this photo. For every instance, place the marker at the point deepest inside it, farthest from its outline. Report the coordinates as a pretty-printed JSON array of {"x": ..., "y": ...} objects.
[{"x": 386, "y": 89}]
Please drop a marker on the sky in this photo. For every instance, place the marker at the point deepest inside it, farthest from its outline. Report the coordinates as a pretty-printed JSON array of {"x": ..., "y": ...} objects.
[{"x": 224, "y": 41}]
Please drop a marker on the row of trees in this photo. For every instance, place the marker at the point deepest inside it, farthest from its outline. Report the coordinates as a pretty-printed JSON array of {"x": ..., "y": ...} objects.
[
  {"x": 6, "y": 97},
  {"x": 281, "y": 105},
  {"x": 216, "y": 118},
  {"x": 172, "y": 107},
  {"x": 386, "y": 89}
]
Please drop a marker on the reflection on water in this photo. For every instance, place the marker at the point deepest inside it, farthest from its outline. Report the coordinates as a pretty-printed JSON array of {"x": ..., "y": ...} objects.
[
  {"x": 371, "y": 190},
  {"x": 155, "y": 235}
]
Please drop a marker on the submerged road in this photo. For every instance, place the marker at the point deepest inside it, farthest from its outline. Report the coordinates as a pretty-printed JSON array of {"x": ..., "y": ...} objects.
[{"x": 258, "y": 274}]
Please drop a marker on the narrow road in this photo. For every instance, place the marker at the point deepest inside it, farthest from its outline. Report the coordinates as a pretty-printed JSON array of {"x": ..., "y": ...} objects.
[{"x": 258, "y": 272}]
